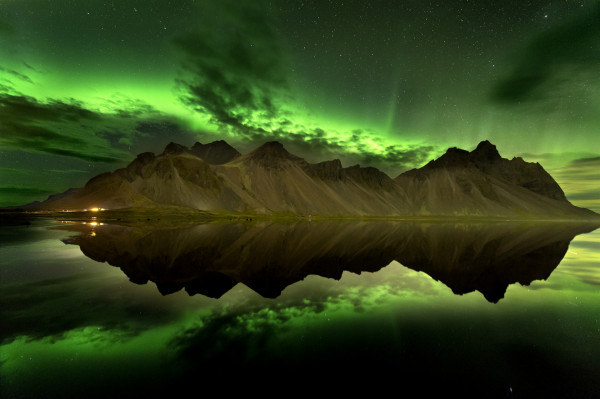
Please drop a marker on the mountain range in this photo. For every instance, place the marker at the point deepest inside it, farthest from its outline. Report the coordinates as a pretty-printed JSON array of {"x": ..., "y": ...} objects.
[{"x": 215, "y": 177}]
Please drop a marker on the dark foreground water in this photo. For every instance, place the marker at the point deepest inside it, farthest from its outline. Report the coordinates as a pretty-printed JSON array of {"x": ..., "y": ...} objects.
[{"x": 501, "y": 310}]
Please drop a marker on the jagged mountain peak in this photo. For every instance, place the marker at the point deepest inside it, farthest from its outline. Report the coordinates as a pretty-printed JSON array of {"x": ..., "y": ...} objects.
[
  {"x": 485, "y": 152},
  {"x": 174, "y": 149},
  {"x": 271, "y": 154},
  {"x": 486, "y": 159},
  {"x": 453, "y": 158},
  {"x": 212, "y": 144},
  {"x": 215, "y": 153},
  {"x": 144, "y": 157},
  {"x": 272, "y": 146},
  {"x": 485, "y": 145}
]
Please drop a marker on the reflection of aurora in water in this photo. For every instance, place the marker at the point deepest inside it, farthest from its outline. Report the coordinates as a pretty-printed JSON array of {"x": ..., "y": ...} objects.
[{"x": 73, "y": 324}]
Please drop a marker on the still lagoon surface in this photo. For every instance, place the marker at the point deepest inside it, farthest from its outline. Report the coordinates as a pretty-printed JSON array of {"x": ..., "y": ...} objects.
[{"x": 498, "y": 309}]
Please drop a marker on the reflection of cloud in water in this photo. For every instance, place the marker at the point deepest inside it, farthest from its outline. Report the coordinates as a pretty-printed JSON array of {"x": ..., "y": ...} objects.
[
  {"x": 53, "y": 307},
  {"x": 366, "y": 290},
  {"x": 242, "y": 333},
  {"x": 582, "y": 261}
]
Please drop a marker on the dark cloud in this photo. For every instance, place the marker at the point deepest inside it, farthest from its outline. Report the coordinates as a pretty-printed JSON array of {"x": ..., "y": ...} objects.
[
  {"x": 115, "y": 137},
  {"x": 23, "y": 109},
  {"x": 234, "y": 65},
  {"x": 130, "y": 107},
  {"x": 24, "y": 191},
  {"x": 583, "y": 169},
  {"x": 149, "y": 135},
  {"x": 238, "y": 336},
  {"x": 77, "y": 154},
  {"x": 309, "y": 142},
  {"x": 580, "y": 180},
  {"x": 45, "y": 140},
  {"x": 30, "y": 309},
  {"x": 226, "y": 339},
  {"x": 544, "y": 156},
  {"x": 67, "y": 128},
  {"x": 400, "y": 158},
  {"x": 31, "y": 136},
  {"x": 590, "y": 195},
  {"x": 16, "y": 74},
  {"x": 593, "y": 161},
  {"x": 25, "y": 123},
  {"x": 29, "y": 67},
  {"x": 571, "y": 44},
  {"x": 316, "y": 145},
  {"x": 235, "y": 71},
  {"x": 392, "y": 158}
]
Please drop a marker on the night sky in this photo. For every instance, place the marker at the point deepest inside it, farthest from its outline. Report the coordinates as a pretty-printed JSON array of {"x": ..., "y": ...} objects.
[{"x": 87, "y": 85}]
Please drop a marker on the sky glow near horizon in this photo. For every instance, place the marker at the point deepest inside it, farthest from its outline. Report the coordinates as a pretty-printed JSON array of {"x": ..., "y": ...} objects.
[{"x": 86, "y": 86}]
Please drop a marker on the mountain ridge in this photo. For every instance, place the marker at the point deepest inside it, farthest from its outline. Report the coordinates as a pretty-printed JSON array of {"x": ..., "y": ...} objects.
[{"x": 271, "y": 180}]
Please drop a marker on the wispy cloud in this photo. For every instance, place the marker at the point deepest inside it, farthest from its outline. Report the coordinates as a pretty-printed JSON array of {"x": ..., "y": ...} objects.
[
  {"x": 571, "y": 44},
  {"x": 13, "y": 73},
  {"x": 234, "y": 67},
  {"x": 579, "y": 180},
  {"x": 73, "y": 129}
]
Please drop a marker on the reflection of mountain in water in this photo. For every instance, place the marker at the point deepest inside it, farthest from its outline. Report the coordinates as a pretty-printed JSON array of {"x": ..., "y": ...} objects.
[{"x": 210, "y": 259}]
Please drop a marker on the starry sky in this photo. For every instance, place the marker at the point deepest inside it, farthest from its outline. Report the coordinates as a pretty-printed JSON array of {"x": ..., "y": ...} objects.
[{"x": 87, "y": 85}]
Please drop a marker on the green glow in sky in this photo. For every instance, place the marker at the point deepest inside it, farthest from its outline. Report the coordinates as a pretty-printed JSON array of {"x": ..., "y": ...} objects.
[{"x": 85, "y": 87}]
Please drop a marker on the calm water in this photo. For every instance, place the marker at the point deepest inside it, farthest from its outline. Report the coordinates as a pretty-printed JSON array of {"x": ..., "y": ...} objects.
[{"x": 506, "y": 310}]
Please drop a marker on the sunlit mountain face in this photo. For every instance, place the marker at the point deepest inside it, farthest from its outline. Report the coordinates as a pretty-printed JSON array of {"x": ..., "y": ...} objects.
[{"x": 86, "y": 86}]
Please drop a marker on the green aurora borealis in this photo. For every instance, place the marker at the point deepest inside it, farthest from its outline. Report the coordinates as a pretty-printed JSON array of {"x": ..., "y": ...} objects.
[{"x": 87, "y": 85}]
